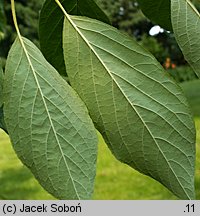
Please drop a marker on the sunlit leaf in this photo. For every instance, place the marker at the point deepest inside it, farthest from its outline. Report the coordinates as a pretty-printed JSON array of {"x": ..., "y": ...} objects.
[
  {"x": 49, "y": 125},
  {"x": 140, "y": 111}
]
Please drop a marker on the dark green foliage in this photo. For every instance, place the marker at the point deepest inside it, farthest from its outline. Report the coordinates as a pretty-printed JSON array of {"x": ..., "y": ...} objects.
[
  {"x": 158, "y": 11},
  {"x": 27, "y": 15},
  {"x": 2, "y": 122},
  {"x": 2, "y": 19},
  {"x": 126, "y": 16},
  {"x": 183, "y": 74},
  {"x": 51, "y": 24},
  {"x": 155, "y": 47}
]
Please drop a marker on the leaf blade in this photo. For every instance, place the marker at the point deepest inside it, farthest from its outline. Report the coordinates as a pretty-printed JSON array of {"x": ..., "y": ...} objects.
[
  {"x": 185, "y": 20},
  {"x": 2, "y": 122},
  {"x": 1, "y": 85},
  {"x": 51, "y": 24},
  {"x": 48, "y": 124},
  {"x": 120, "y": 84},
  {"x": 158, "y": 11}
]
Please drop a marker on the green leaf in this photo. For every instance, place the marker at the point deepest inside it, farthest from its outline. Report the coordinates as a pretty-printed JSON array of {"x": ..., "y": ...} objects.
[
  {"x": 158, "y": 11},
  {"x": 51, "y": 26},
  {"x": 186, "y": 25},
  {"x": 1, "y": 85},
  {"x": 49, "y": 126},
  {"x": 140, "y": 111},
  {"x": 2, "y": 122}
]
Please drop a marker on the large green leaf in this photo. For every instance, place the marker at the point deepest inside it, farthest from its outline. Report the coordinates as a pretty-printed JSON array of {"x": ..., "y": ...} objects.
[
  {"x": 2, "y": 123},
  {"x": 48, "y": 124},
  {"x": 1, "y": 85},
  {"x": 158, "y": 11},
  {"x": 51, "y": 25},
  {"x": 186, "y": 25},
  {"x": 140, "y": 111}
]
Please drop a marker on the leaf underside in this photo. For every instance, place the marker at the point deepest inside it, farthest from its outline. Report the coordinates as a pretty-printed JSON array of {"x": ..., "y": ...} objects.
[
  {"x": 2, "y": 122},
  {"x": 51, "y": 26},
  {"x": 158, "y": 11},
  {"x": 1, "y": 85},
  {"x": 49, "y": 126},
  {"x": 140, "y": 111},
  {"x": 186, "y": 25}
]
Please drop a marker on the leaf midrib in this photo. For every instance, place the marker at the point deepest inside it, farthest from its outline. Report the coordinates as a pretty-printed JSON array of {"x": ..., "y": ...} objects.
[
  {"x": 46, "y": 108},
  {"x": 193, "y": 8},
  {"x": 88, "y": 44}
]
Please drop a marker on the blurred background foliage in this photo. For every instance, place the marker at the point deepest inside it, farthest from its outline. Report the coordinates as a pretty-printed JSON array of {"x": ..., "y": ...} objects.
[
  {"x": 27, "y": 14},
  {"x": 124, "y": 15}
]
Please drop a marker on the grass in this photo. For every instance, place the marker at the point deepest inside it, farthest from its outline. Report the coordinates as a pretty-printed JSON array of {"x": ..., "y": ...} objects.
[
  {"x": 118, "y": 181},
  {"x": 114, "y": 180}
]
